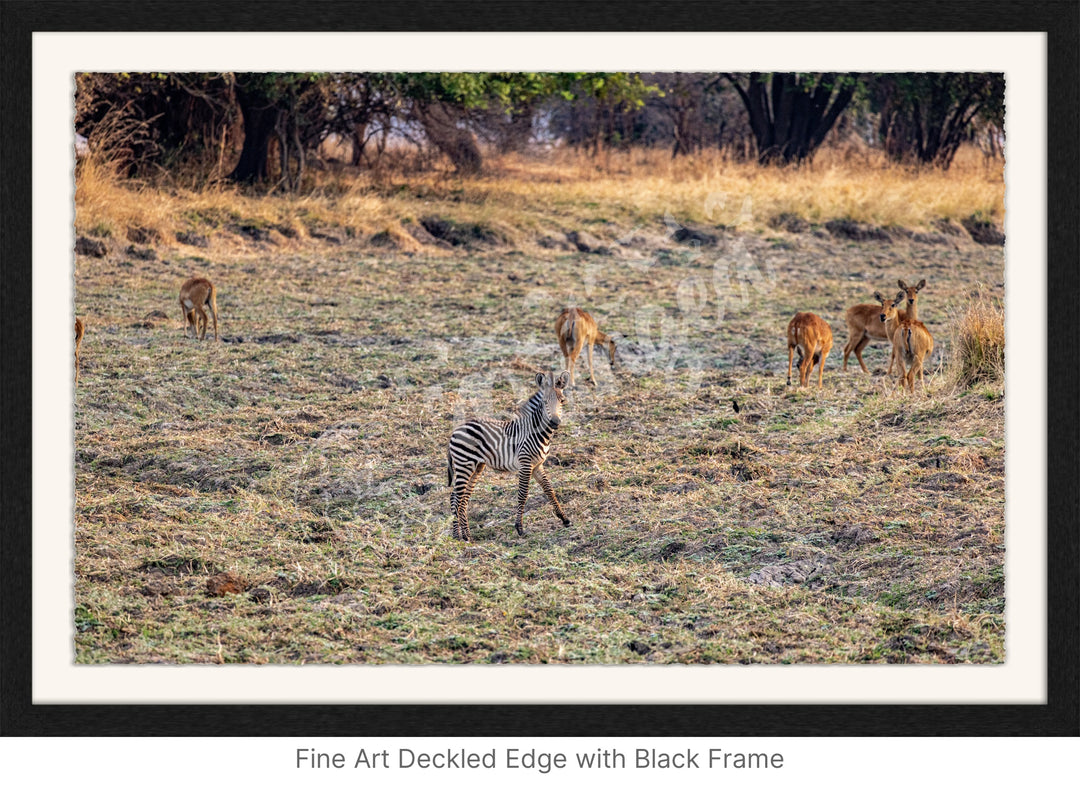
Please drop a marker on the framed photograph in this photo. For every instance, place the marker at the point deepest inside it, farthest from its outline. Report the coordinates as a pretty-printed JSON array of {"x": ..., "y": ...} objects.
[{"x": 433, "y": 378}]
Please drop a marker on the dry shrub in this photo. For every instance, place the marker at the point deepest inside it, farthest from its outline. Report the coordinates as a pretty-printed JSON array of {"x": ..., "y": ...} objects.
[{"x": 978, "y": 340}]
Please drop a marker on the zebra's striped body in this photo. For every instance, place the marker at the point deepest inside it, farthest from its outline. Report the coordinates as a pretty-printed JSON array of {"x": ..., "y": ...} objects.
[{"x": 519, "y": 445}]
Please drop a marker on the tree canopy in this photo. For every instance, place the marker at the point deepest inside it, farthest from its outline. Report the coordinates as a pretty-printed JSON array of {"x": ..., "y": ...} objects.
[{"x": 230, "y": 123}]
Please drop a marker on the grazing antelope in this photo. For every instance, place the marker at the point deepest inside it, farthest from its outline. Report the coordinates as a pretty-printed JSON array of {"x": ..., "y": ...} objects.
[
  {"x": 194, "y": 294},
  {"x": 78, "y": 342},
  {"x": 519, "y": 445},
  {"x": 912, "y": 342},
  {"x": 812, "y": 336},
  {"x": 576, "y": 329},
  {"x": 864, "y": 324}
]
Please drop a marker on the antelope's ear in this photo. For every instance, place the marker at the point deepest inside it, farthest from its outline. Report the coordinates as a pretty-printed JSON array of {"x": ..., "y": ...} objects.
[
  {"x": 878, "y": 297},
  {"x": 921, "y": 284},
  {"x": 900, "y": 297},
  {"x": 902, "y": 284},
  {"x": 540, "y": 380},
  {"x": 564, "y": 377}
]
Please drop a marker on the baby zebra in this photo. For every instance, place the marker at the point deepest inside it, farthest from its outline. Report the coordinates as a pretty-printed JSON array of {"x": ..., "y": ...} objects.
[{"x": 519, "y": 445}]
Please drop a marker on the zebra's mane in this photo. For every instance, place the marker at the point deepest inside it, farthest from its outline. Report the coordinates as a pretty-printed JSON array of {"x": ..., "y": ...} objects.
[{"x": 523, "y": 409}]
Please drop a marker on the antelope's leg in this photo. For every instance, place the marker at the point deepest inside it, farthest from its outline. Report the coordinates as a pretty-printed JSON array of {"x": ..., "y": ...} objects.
[
  {"x": 859, "y": 350},
  {"x": 805, "y": 368}
]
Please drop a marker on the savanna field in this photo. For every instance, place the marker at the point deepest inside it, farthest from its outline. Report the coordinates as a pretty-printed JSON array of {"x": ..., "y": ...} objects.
[{"x": 280, "y": 495}]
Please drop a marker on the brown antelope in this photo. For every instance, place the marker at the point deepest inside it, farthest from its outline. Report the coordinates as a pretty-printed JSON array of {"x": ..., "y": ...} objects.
[
  {"x": 864, "y": 324},
  {"x": 812, "y": 336},
  {"x": 78, "y": 342},
  {"x": 576, "y": 329},
  {"x": 194, "y": 294},
  {"x": 912, "y": 342}
]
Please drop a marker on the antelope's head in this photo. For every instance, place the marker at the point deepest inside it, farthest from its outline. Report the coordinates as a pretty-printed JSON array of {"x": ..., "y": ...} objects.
[
  {"x": 888, "y": 307},
  {"x": 551, "y": 392},
  {"x": 911, "y": 292}
]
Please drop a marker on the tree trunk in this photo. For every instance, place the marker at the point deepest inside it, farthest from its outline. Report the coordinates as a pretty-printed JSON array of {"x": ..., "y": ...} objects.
[
  {"x": 260, "y": 123},
  {"x": 359, "y": 139},
  {"x": 789, "y": 121},
  {"x": 515, "y": 131},
  {"x": 459, "y": 145},
  {"x": 283, "y": 152},
  {"x": 299, "y": 147}
]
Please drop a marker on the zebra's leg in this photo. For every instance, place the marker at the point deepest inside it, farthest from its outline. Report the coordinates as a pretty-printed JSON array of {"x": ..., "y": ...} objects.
[
  {"x": 549, "y": 490},
  {"x": 524, "y": 474},
  {"x": 466, "y": 531},
  {"x": 463, "y": 489}
]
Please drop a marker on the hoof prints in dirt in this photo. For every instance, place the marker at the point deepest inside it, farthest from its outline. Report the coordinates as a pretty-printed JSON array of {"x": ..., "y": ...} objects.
[
  {"x": 797, "y": 572},
  {"x": 176, "y": 565},
  {"x": 855, "y": 534},
  {"x": 188, "y": 476}
]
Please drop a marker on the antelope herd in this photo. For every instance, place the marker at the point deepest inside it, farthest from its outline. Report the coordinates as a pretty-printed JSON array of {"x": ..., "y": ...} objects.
[
  {"x": 865, "y": 323},
  {"x": 522, "y": 444}
]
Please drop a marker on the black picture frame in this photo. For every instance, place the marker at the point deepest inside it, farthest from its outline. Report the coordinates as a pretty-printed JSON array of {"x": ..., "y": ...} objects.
[{"x": 1059, "y": 716}]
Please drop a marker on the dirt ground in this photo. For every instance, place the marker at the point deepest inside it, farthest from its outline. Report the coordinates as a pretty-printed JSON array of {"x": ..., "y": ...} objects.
[{"x": 279, "y": 496}]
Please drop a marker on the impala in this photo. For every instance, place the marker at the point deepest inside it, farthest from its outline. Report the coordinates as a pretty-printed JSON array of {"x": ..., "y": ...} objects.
[
  {"x": 577, "y": 329},
  {"x": 812, "y": 336},
  {"x": 864, "y": 324},
  {"x": 196, "y": 293}
]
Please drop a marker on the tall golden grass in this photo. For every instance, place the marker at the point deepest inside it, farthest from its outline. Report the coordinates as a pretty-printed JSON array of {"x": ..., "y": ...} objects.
[
  {"x": 978, "y": 343},
  {"x": 524, "y": 193}
]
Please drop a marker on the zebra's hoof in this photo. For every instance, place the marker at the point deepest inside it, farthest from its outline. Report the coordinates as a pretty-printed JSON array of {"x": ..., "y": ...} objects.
[
  {"x": 520, "y": 530},
  {"x": 566, "y": 522}
]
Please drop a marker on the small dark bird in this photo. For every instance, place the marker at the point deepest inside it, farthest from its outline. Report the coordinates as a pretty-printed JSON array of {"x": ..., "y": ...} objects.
[{"x": 735, "y": 405}]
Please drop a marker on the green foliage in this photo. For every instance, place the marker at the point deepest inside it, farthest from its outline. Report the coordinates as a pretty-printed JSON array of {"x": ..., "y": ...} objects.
[
  {"x": 925, "y": 116},
  {"x": 273, "y": 87}
]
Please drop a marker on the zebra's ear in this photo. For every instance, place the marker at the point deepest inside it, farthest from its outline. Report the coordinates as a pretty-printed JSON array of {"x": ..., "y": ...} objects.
[
  {"x": 564, "y": 377},
  {"x": 539, "y": 380}
]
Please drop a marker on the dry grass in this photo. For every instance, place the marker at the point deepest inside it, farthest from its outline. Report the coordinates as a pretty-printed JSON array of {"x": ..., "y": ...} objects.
[
  {"x": 978, "y": 341},
  {"x": 304, "y": 455},
  {"x": 524, "y": 197}
]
